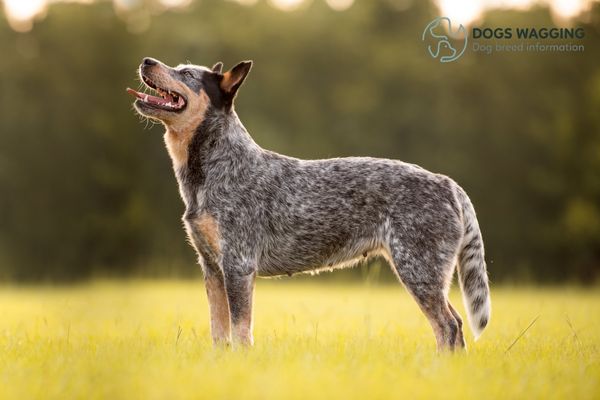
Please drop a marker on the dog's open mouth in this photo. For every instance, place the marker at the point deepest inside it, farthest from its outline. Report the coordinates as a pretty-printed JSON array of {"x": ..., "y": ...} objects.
[{"x": 168, "y": 100}]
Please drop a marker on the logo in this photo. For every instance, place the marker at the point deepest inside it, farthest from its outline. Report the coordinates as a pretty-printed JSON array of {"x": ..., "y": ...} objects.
[{"x": 444, "y": 44}]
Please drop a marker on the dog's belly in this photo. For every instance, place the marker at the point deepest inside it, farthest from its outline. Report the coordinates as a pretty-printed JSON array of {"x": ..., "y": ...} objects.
[
  {"x": 267, "y": 271},
  {"x": 289, "y": 261}
]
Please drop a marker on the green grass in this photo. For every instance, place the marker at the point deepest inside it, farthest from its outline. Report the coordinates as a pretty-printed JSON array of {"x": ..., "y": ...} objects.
[{"x": 150, "y": 340}]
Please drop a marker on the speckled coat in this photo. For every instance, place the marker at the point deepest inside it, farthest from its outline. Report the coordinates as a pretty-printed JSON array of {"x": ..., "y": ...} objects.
[{"x": 252, "y": 212}]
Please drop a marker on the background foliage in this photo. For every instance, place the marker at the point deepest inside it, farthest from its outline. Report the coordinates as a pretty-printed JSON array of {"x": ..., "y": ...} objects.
[{"x": 86, "y": 190}]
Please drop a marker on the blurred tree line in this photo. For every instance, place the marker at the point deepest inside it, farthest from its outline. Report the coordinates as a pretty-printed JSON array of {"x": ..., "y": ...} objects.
[{"x": 87, "y": 190}]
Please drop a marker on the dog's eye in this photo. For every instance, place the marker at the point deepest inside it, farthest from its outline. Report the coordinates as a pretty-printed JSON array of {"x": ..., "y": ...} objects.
[{"x": 188, "y": 73}]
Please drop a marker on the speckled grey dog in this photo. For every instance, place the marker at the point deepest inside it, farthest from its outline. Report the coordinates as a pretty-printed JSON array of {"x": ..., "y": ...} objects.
[{"x": 251, "y": 211}]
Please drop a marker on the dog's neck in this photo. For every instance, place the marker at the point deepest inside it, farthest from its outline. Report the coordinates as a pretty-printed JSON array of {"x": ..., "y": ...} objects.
[{"x": 218, "y": 148}]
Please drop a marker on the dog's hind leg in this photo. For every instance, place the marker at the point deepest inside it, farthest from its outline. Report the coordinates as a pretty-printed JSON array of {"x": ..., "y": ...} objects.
[
  {"x": 426, "y": 278},
  {"x": 218, "y": 306},
  {"x": 460, "y": 339},
  {"x": 239, "y": 284}
]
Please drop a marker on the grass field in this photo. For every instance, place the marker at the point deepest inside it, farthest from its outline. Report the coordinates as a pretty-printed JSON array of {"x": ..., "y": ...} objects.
[{"x": 150, "y": 340}]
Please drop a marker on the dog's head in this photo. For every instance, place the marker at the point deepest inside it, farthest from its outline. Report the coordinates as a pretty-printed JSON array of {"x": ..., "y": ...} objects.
[{"x": 185, "y": 93}]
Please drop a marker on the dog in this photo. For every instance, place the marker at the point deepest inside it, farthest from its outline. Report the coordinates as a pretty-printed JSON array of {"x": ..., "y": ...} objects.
[{"x": 252, "y": 212}]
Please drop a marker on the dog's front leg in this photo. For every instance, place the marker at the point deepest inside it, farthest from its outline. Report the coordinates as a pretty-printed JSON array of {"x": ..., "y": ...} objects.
[
  {"x": 239, "y": 283},
  {"x": 218, "y": 306}
]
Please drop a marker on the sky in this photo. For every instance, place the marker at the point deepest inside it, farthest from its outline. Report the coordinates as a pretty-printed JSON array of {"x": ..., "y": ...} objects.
[{"x": 22, "y": 14}]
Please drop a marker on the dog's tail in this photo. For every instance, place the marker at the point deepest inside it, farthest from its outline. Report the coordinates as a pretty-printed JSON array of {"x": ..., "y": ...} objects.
[{"x": 472, "y": 272}]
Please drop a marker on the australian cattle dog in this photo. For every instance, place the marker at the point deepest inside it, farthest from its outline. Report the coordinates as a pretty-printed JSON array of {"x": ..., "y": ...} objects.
[{"x": 252, "y": 212}]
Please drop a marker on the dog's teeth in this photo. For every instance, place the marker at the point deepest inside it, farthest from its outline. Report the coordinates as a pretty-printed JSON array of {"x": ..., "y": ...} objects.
[{"x": 146, "y": 98}]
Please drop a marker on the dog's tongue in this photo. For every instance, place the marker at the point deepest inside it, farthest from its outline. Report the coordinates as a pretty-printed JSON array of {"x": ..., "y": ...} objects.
[
  {"x": 134, "y": 93},
  {"x": 146, "y": 97}
]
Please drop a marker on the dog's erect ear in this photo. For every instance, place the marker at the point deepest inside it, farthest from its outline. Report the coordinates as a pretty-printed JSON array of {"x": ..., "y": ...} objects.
[
  {"x": 233, "y": 79},
  {"x": 218, "y": 67}
]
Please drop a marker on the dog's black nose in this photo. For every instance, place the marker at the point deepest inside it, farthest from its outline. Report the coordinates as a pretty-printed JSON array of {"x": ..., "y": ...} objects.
[{"x": 149, "y": 61}]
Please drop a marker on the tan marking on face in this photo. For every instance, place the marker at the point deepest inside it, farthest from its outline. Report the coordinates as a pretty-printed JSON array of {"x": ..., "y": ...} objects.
[
  {"x": 180, "y": 125},
  {"x": 209, "y": 228},
  {"x": 219, "y": 310},
  {"x": 180, "y": 131}
]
